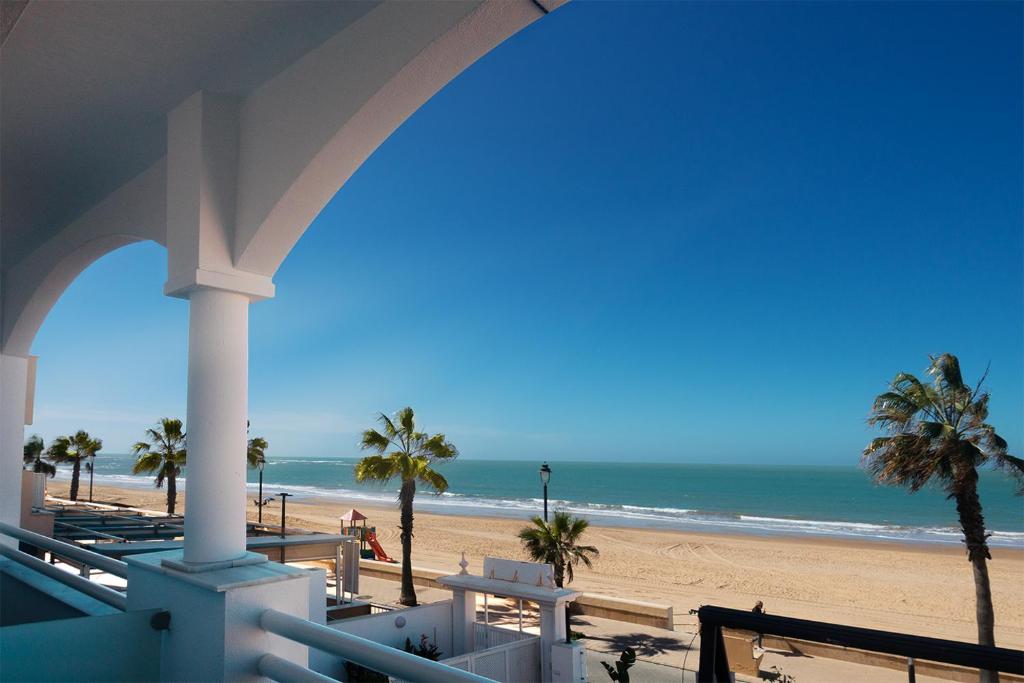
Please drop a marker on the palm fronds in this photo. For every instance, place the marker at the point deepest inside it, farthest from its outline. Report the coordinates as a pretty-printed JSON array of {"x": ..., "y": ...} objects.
[
  {"x": 935, "y": 430},
  {"x": 559, "y": 543},
  {"x": 163, "y": 453}
]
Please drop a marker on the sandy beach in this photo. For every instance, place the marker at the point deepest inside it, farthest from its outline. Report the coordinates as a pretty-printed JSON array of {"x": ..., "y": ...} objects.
[{"x": 915, "y": 588}]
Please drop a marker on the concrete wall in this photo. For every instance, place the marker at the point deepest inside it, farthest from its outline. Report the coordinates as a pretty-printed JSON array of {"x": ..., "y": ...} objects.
[
  {"x": 28, "y": 597},
  {"x": 619, "y": 609},
  {"x": 434, "y": 619},
  {"x": 40, "y": 522}
]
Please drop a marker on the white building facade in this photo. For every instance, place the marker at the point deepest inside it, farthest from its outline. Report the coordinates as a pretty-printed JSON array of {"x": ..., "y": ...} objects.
[{"x": 218, "y": 130}]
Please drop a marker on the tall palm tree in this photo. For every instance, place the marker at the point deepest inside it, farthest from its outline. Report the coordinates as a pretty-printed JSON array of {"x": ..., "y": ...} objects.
[
  {"x": 411, "y": 458},
  {"x": 33, "y": 455},
  {"x": 558, "y": 543},
  {"x": 163, "y": 453},
  {"x": 938, "y": 434},
  {"x": 75, "y": 450}
]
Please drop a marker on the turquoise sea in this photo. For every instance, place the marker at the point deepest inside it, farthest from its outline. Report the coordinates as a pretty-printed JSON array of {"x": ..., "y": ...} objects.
[{"x": 769, "y": 499}]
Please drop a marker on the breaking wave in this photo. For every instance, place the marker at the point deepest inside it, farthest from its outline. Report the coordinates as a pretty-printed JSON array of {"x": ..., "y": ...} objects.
[{"x": 612, "y": 514}]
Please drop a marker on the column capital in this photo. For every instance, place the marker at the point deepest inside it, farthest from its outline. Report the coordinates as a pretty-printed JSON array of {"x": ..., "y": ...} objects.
[{"x": 256, "y": 287}]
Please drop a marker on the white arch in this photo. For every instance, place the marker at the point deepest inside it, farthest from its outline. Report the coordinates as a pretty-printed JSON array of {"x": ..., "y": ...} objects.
[
  {"x": 303, "y": 134},
  {"x": 133, "y": 213}
]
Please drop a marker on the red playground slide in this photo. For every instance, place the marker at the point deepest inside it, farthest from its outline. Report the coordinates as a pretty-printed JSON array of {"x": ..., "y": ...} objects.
[{"x": 378, "y": 552}]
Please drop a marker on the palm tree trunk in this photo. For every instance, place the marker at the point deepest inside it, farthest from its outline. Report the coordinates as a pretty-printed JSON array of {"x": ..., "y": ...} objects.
[
  {"x": 74, "y": 478},
  {"x": 408, "y": 492},
  {"x": 968, "y": 506},
  {"x": 172, "y": 493}
]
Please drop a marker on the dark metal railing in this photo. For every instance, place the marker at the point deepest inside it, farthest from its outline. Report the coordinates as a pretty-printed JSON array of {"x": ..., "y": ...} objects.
[{"x": 714, "y": 664}]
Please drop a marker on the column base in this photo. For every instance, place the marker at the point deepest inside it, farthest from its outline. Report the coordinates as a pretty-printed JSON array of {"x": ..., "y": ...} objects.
[
  {"x": 215, "y": 633},
  {"x": 178, "y": 564}
]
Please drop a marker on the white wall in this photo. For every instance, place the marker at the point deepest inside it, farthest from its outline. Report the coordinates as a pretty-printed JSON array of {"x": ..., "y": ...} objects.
[{"x": 434, "y": 619}]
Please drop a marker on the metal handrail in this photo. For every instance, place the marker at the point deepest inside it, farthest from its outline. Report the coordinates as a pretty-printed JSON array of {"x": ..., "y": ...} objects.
[
  {"x": 714, "y": 663},
  {"x": 100, "y": 534},
  {"x": 95, "y": 590},
  {"x": 281, "y": 670},
  {"x": 74, "y": 552},
  {"x": 387, "y": 660}
]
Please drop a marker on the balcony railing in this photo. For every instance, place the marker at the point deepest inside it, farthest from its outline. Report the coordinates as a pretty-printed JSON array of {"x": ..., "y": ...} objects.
[
  {"x": 714, "y": 664},
  {"x": 73, "y": 552},
  {"x": 387, "y": 660}
]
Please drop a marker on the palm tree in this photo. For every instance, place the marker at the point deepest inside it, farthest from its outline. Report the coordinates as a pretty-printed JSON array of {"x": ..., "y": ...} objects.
[
  {"x": 163, "y": 452},
  {"x": 411, "y": 458},
  {"x": 255, "y": 454},
  {"x": 558, "y": 543},
  {"x": 938, "y": 434},
  {"x": 33, "y": 455},
  {"x": 74, "y": 449}
]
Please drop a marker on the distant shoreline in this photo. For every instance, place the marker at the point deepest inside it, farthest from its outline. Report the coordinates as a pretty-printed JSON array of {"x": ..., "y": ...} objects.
[{"x": 303, "y": 502}]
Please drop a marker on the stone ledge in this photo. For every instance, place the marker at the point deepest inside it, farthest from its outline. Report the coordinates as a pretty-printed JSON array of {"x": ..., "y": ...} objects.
[{"x": 219, "y": 578}]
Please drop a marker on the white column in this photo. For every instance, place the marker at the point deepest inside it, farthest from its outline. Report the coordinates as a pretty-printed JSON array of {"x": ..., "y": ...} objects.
[
  {"x": 218, "y": 385},
  {"x": 552, "y": 630},
  {"x": 13, "y": 385},
  {"x": 463, "y": 620}
]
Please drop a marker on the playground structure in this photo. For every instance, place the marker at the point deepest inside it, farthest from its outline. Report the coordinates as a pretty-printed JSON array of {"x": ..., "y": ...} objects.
[{"x": 369, "y": 547}]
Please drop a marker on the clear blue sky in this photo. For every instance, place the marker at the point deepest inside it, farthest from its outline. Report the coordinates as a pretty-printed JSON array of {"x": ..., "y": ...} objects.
[{"x": 667, "y": 231}]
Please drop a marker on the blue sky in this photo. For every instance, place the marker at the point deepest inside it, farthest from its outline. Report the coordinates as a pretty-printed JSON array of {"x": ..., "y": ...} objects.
[{"x": 669, "y": 231}]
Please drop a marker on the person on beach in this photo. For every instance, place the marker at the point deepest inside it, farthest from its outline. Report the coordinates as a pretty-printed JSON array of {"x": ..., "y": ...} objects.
[{"x": 759, "y": 609}]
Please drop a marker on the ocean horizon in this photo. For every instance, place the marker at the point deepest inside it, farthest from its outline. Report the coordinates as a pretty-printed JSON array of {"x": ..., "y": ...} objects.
[{"x": 799, "y": 500}]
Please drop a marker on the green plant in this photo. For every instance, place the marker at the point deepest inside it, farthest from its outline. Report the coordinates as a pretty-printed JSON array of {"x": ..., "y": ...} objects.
[
  {"x": 621, "y": 671},
  {"x": 937, "y": 434},
  {"x": 425, "y": 649},
  {"x": 163, "y": 452},
  {"x": 411, "y": 458}
]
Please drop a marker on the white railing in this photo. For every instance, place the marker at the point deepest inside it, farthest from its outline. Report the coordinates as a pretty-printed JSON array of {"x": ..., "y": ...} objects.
[
  {"x": 72, "y": 552},
  {"x": 509, "y": 663},
  {"x": 95, "y": 590},
  {"x": 82, "y": 585},
  {"x": 486, "y": 635},
  {"x": 367, "y": 653}
]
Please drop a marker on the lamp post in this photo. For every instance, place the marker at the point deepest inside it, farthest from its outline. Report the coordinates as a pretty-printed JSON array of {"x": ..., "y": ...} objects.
[
  {"x": 92, "y": 467},
  {"x": 259, "y": 501},
  {"x": 545, "y": 477},
  {"x": 284, "y": 501}
]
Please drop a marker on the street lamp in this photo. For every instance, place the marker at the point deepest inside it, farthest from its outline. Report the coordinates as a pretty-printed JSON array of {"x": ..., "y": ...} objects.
[
  {"x": 545, "y": 477},
  {"x": 284, "y": 501},
  {"x": 259, "y": 501},
  {"x": 92, "y": 467}
]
